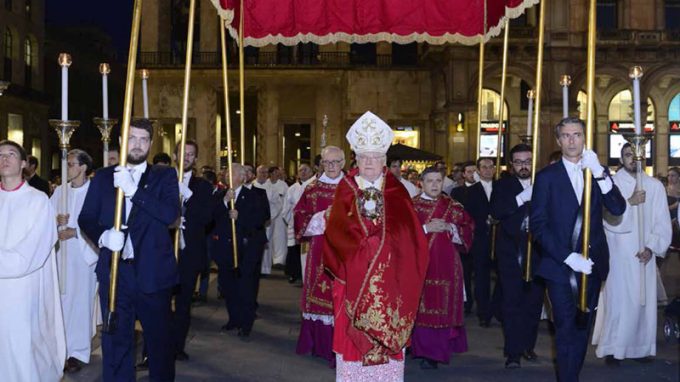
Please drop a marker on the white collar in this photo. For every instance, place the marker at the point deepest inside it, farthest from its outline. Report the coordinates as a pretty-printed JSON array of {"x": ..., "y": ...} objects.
[
  {"x": 140, "y": 167},
  {"x": 363, "y": 183},
  {"x": 486, "y": 182},
  {"x": 308, "y": 181},
  {"x": 426, "y": 196},
  {"x": 469, "y": 184},
  {"x": 325, "y": 179},
  {"x": 525, "y": 182},
  {"x": 571, "y": 166}
]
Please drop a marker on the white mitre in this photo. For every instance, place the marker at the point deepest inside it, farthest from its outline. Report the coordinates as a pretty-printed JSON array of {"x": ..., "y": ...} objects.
[{"x": 370, "y": 134}]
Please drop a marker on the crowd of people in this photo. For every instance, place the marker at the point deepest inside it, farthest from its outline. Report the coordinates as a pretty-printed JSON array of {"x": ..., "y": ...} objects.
[{"x": 390, "y": 260}]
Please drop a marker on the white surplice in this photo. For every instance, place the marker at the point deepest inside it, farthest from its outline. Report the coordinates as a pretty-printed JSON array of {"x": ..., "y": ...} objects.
[
  {"x": 624, "y": 328},
  {"x": 293, "y": 196},
  {"x": 78, "y": 299},
  {"x": 32, "y": 344},
  {"x": 277, "y": 247}
]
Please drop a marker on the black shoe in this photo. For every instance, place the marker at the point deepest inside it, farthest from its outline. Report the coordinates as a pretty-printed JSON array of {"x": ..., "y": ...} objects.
[
  {"x": 244, "y": 334},
  {"x": 181, "y": 356},
  {"x": 529, "y": 355},
  {"x": 292, "y": 280},
  {"x": 644, "y": 360},
  {"x": 229, "y": 326},
  {"x": 513, "y": 362},
  {"x": 611, "y": 361},
  {"x": 72, "y": 366},
  {"x": 428, "y": 364},
  {"x": 144, "y": 365},
  {"x": 484, "y": 323}
]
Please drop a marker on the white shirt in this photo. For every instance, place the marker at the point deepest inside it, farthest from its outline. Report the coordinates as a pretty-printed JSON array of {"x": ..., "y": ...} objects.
[
  {"x": 486, "y": 184},
  {"x": 137, "y": 172},
  {"x": 410, "y": 187},
  {"x": 364, "y": 184},
  {"x": 326, "y": 179},
  {"x": 575, "y": 172},
  {"x": 226, "y": 202},
  {"x": 185, "y": 181},
  {"x": 526, "y": 183}
]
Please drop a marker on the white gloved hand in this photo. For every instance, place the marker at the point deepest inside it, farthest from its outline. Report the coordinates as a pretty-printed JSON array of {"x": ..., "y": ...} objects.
[
  {"x": 112, "y": 240},
  {"x": 578, "y": 263},
  {"x": 122, "y": 178},
  {"x": 589, "y": 160},
  {"x": 185, "y": 191},
  {"x": 525, "y": 195}
]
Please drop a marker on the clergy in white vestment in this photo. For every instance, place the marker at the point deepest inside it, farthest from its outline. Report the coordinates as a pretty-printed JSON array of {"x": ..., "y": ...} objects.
[
  {"x": 276, "y": 249},
  {"x": 78, "y": 298},
  {"x": 624, "y": 327},
  {"x": 32, "y": 345},
  {"x": 294, "y": 266},
  {"x": 394, "y": 165}
]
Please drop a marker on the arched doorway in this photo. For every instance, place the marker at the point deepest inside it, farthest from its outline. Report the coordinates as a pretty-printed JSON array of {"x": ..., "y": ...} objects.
[
  {"x": 674, "y": 131},
  {"x": 620, "y": 117},
  {"x": 488, "y": 139}
]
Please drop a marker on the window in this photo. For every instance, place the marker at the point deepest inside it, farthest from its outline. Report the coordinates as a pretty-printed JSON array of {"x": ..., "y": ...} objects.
[
  {"x": 28, "y": 63},
  {"x": 672, "y": 14},
  {"x": 674, "y": 109},
  {"x": 523, "y": 90},
  {"x": 621, "y": 108},
  {"x": 490, "y": 102},
  {"x": 607, "y": 14},
  {"x": 8, "y": 55},
  {"x": 582, "y": 100},
  {"x": 363, "y": 54},
  {"x": 405, "y": 55},
  {"x": 15, "y": 128}
]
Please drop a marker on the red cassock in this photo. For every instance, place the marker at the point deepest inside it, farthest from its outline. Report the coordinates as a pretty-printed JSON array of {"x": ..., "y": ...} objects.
[{"x": 379, "y": 267}]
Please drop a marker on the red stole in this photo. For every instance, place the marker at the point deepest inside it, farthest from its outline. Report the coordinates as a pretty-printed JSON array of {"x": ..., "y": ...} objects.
[
  {"x": 441, "y": 305},
  {"x": 317, "y": 295},
  {"x": 381, "y": 265}
]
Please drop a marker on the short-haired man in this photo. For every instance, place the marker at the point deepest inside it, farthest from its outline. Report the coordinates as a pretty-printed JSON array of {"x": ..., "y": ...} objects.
[
  {"x": 33, "y": 347},
  {"x": 316, "y": 331},
  {"x": 34, "y": 180},
  {"x": 147, "y": 271},
  {"x": 394, "y": 165},
  {"x": 79, "y": 262},
  {"x": 522, "y": 301},
  {"x": 197, "y": 209},
  {"x": 556, "y": 217},
  {"x": 625, "y": 328},
  {"x": 293, "y": 265},
  {"x": 275, "y": 252}
]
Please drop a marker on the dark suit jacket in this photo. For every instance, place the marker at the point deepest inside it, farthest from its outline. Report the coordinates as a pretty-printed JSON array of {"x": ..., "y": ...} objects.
[
  {"x": 554, "y": 209},
  {"x": 264, "y": 213},
  {"x": 511, "y": 238},
  {"x": 39, "y": 184},
  {"x": 198, "y": 213},
  {"x": 249, "y": 223},
  {"x": 155, "y": 207},
  {"x": 473, "y": 198}
]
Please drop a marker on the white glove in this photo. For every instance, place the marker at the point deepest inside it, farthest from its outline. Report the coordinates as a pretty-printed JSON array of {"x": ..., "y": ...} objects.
[
  {"x": 122, "y": 179},
  {"x": 185, "y": 191},
  {"x": 112, "y": 240},
  {"x": 525, "y": 196},
  {"x": 578, "y": 263},
  {"x": 589, "y": 160}
]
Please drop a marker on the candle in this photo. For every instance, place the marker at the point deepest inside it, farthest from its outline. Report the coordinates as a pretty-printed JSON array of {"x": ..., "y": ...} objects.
[
  {"x": 145, "y": 94},
  {"x": 530, "y": 112},
  {"x": 565, "y": 81},
  {"x": 635, "y": 74},
  {"x": 104, "y": 69},
  {"x": 64, "y": 62}
]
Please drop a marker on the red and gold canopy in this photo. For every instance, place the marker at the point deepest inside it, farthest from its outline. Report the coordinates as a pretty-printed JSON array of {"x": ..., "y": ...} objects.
[{"x": 290, "y": 22}]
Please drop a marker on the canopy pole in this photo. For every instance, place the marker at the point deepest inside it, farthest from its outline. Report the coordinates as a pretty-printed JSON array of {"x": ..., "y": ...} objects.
[
  {"x": 225, "y": 85},
  {"x": 185, "y": 112},
  {"x": 590, "y": 121},
  {"x": 480, "y": 84},
  {"x": 537, "y": 121},
  {"x": 110, "y": 319},
  {"x": 241, "y": 85}
]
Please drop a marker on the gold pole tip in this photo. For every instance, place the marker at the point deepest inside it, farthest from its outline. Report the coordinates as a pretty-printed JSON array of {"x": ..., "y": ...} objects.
[
  {"x": 531, "y": 94},
  {"x": 635, "y": 72},
  {"x": 104, "y": 68},
  {"x": 64, "y": 59},
  {"x": 145, "y": 74},
  {"x": 565, "y": 80}
]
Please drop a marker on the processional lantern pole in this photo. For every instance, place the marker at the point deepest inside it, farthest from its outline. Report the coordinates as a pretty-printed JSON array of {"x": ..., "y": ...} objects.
[
  {"x": 225, "y": 85},
  {"x": 105, "y": 124},
  {"x": 526, "y": 138},
  {"x": 65, "y": 129},
  {"x": 241, "y": 86},
  {"x": 638, "y": 142},
  {"x": 590, "y": 122},
  {"x": 565, "y": 82},
  {"x": 537, "y": 121},
  {"x": 480, "y": 83},
  {"x": 110, "y": 318},
  {"x": 185, "y": 112}
]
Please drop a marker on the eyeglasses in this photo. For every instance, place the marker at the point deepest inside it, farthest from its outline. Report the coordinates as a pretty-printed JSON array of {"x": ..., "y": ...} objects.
[
  {"x": 522, "y": 162},
  {"x": 332, "y": 162}
]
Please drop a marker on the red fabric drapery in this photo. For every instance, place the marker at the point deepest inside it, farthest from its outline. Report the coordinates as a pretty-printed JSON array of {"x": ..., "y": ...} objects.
[{"x": 290, "y": 22}]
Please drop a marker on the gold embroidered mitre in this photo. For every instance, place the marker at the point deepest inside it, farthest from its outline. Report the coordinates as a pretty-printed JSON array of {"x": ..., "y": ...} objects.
[{"x": 370, "y": 134}]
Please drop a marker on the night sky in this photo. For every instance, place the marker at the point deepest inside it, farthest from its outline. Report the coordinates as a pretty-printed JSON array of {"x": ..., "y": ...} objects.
[{"x": 114, "y": 17}]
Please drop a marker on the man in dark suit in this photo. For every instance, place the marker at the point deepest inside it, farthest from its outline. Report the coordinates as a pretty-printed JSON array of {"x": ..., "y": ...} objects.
[
  {"x": 34, "y": 180},
  {"x": 261, "y": 235},
  {"x": 556, "y": 216},
  {"x": 197, "y": 210},
  {"x": 240, "y": 286},
  {"x": 475, "y": 198},
  {"x": 522, "y": 301},
  {"x": 460, "y": 194},
  {"x": 147, "y": 271}
]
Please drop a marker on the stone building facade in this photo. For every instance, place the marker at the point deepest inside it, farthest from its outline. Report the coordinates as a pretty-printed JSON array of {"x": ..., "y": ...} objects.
[{"x": 429, "y": 90}]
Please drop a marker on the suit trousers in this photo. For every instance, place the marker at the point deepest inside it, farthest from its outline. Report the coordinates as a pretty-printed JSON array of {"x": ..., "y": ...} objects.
[
  {"x": 521, "y": 307},
  {"x": 240, "y": 290},
  {"x": 482, "y": 265},
  {"x": 293, "y": 264},
  {"x": 466, "y": 260},
  {"x": 571, "y": 342},
  {"x": 182, "y": 318},
  {"x": 154, "y": 312}
]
